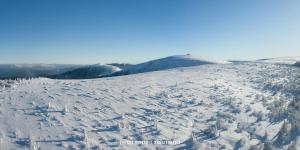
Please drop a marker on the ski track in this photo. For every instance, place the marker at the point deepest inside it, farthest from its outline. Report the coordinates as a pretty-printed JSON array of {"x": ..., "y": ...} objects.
[{"x": 183, "y": 104}]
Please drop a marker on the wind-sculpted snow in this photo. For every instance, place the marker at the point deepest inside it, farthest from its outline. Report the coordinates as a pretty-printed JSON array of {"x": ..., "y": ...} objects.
[{"x": 221, "y": 106}]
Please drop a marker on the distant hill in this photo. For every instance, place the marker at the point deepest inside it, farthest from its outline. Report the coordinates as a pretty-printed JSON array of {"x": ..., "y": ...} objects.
[
  {"x": 33, "y": 70},
  {"x": 100, "y": 70},
  {"x": 86, "y": 72},
  {"x": 281, "y": 60},
  {"x": 165, "y": 63}
]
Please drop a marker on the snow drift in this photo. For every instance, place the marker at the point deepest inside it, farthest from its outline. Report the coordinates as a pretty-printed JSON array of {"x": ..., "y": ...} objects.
[
  {"x": 166, "y": 63},
  {"x": 92, "y": 71}
]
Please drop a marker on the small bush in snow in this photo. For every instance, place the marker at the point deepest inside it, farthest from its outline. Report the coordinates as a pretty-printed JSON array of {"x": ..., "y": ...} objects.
[
  {"x": 241, "y": 143},
  {"x": 259, "y": 146},
  {"x": 242, "y": 126},
  {"x": 212, "y": 131},
  {"x": 33, "y": 144},
  {"x": 248, "y": 108},
  {"x": 288, "y": 132},
  {"x": 294, "y": 146},
  {"x": 50, "y": 105},
  {"x": 269, "y": 146},
  {"x": 66, "y": 110},
  {"x": 259, "y": 115},
  {"x": 278, "y": 111},
  {"x": 221, "y": 125},
  {"x": 85, "y": 140}
]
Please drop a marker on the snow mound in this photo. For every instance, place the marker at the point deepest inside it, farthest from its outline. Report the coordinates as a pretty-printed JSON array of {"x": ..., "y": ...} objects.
[
  {"x": 281, "y": 60},
  {"x": 92, "y": 71},
  {"x": 167, "y": 63}
]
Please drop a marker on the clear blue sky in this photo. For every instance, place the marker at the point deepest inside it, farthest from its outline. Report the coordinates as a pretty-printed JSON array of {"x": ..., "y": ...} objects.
[{"x": 101, "y": 31}]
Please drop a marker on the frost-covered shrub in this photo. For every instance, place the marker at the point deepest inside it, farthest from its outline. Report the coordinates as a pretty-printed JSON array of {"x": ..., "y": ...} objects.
[
  {"x": 248, "y": 108},
  {"x": 212, "y": 131},
  {"x": 208, "y": 146},
  {"x": 221, "y": 124},
  {"x": 259, "y": 146},
  {"x": 50, "y": 105},
  {"x": 32, "y": 143},
  {"x": 294, "y": 111},
  {"x": 16, "y": 134},
  {"x": 65, "y": 110},
  {"x": 233, "y": 106},
  {"x": 288, "y": 133},
  {"x": 242, "y": 126},
  {"x": 123, "y": 124},
  {"x": 226, "y": 116},
  {"x": 269, "y": 146},
  {"x": 278, "y": 110},
  {"x": 85, "y": 140},
  {"x": 265, "y": 137},
  {"x": 240, "y": 144},
  {"x": 7, "y": 83},
  {"x": 259, "y": 115},
  {"x": 288, "y": 109},
  {"x": 1, "y": 138},
  {"x": 294, "y": 145},
  {"x": 196, "y": 144}
]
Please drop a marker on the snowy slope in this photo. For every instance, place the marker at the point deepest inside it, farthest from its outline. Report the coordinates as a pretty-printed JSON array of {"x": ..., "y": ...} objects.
[
  {"x": 297, "y": 64},
  {"x": 166, "y": 63},
  {"x": 224, "y": 106},
  {"x": 281, "y": 60},
  {"x": 92, "y": 71}
]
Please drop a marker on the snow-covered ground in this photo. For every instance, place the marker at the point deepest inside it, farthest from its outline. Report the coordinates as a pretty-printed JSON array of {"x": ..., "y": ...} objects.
[{"x": 212, "y": 106}]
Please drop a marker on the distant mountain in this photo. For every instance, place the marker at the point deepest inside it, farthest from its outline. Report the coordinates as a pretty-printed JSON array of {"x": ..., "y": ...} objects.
[
  {"x": 281, "y": 60},
  {"x": 165, "y": 63},
  {"x": 100, "y": 70},
  {"x": 33, "y": 70},
  {"x": 87, "y": 72}
]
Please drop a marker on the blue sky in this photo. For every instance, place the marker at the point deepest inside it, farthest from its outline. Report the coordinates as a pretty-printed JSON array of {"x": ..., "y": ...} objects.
[{"x": 102, "y": 31}]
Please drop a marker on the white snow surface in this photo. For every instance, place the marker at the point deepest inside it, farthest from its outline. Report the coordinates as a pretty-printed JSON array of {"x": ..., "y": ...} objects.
[{"x": 216, "y": 106}]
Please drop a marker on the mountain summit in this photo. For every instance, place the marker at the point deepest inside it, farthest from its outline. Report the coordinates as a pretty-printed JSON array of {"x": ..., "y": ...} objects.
[{"x": 166, "y": 63}]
